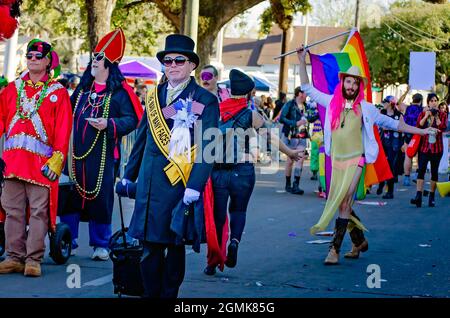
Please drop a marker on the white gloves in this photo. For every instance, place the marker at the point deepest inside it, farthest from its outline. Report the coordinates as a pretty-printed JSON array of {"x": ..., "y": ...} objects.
[
  {"x": 125, "y": 182},
  {"x": 190, "y": 196}
]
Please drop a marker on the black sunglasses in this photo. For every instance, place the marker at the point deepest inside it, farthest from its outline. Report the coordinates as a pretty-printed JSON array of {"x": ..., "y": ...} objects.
[
  {"x": 179, "y": 61},
  {"x": 98, "y": 56},
  {"x": 38, "y": 56}
]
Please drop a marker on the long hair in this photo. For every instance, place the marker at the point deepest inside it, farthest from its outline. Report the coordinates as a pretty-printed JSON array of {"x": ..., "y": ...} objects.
[
  {"x": 337, "y": 103},
  {"x": 113, "y": 82}
]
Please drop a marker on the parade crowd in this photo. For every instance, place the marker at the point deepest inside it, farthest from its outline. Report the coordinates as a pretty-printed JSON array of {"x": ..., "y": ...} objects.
[{"x": 74, "y": 128}]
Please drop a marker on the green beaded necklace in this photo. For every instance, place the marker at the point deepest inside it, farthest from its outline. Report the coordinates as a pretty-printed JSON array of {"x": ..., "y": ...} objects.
[
  {"x": 19, "y": 108},
  {"x": 91, "y": 195}
]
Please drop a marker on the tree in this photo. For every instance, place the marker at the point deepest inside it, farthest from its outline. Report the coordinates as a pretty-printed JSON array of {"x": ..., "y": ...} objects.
[
  {"x": 412, "y": 26},
  {"x": 214, "y": 14},
  {"x": 437, "y": 1},
  {"x": 143, "y": 25},
  {"x": 238, "y": 26},
  {"x": 342, "y": 13},
  {"x": 65, "y": 25},
  {"x": 99, "y": 14},
  {"x": 282, "y": 13},
  {"x": 60, "y": 22}
]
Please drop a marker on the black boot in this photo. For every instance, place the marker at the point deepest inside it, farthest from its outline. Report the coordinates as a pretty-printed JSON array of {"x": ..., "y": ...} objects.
[
  {"x": 288, "y": 186},
  {"x": 390, "y": 192},
  {"x": 295, "y": 188},
  {"x": 209, "y": 270},
  {"x": 418, "y": 199},
  {"x": 360, "y": 243},
  {"x": 335, "y": 246},
  {"x": 232, "y": 253},
  {"x": 388, "y": 195},
  {"x": 380, "y": 188},
  {"x": 431, "y": 202}
]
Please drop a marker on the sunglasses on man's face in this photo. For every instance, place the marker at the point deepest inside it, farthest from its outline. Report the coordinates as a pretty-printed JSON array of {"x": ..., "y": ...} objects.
[
  {"x": 179, "y": 61},
  {"x": 206, "y": 76},
  {"x": 98, "y": 56},
  {"x": 38, "y": 56}
]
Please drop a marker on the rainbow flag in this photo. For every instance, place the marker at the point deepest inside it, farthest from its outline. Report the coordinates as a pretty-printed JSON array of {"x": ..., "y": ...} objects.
[
  {"x": 325, "y": 77},
  {"x": 355, "y": 50},
  {"x": 325, "y": 68}
]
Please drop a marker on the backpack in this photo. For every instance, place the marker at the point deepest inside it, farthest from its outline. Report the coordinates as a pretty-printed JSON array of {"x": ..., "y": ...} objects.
[{"x": 231, "y": 124}]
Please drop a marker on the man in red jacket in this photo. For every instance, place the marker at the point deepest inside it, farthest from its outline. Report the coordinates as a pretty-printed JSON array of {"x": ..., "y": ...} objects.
[{"x": 36, "y": 118}]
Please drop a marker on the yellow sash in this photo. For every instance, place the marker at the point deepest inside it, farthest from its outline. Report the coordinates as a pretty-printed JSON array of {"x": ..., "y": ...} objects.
[{"x": 178, "y": 168}]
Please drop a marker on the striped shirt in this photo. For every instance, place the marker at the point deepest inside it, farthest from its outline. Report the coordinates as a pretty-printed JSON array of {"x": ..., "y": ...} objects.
[{"x": 436, "y": 147}]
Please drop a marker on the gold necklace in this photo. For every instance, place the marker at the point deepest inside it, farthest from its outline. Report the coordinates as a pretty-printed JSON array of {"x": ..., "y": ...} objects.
[
  {"x": 346, "y": 111},
  {"x": 82, "y": 191}
]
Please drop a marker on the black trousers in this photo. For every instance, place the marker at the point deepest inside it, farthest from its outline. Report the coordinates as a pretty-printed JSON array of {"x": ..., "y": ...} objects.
[
  {"x": 232, "y": 191},
  {"x": 162, "y": 269},
  {"x": 392, "y": 155},
  {"x": 434, "y": 159}
]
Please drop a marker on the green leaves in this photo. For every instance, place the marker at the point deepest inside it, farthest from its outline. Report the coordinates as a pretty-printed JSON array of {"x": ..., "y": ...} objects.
[
  {"x": 142, "y": 24},
  {"x": 410, "y": 26},
  {"x": 282, "y": 13}
]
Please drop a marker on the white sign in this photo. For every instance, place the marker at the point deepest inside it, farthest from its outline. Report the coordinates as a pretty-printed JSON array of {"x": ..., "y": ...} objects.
[{"x": 422, "y": 70}]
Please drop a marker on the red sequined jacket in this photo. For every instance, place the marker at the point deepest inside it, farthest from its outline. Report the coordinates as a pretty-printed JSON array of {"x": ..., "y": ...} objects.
[{"x": 41, "y": 139}]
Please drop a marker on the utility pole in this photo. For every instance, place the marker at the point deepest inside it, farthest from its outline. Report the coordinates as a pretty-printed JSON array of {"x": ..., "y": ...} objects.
[
  {"x": 191, "y": 21},
  {"x": 306, "y": 28},
  {"x": 357, "y": 14},
  {"x": 219, "y": 51},
  {"x": 284, "y": 63}
]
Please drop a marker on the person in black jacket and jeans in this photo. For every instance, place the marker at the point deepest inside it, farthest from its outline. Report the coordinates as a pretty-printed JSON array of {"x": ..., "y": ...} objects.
[{"x": 294, "y": 134}]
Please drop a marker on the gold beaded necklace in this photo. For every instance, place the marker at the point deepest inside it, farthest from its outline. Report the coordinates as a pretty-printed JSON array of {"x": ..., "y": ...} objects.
[{"x": 91, "y": 195}]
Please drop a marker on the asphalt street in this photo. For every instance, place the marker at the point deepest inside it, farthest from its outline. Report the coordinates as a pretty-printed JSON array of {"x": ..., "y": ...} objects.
[{"x": 408, "y": 254}]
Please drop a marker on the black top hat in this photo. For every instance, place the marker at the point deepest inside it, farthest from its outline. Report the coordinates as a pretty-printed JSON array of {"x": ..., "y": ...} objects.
[
  {"x": 240, "y": 83},
  {"x": 178, "y": 43}
]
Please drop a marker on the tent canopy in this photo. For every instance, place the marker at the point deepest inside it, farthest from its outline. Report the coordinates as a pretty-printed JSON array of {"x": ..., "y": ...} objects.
[
  {"x": 138, "y": 69},
  {"x": 260, "y": 84}
]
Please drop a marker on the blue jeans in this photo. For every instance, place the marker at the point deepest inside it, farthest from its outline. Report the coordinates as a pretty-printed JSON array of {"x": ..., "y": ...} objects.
[{"x": 236, "y": 184}]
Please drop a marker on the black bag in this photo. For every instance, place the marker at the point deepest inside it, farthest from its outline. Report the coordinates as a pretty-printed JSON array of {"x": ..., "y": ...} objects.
[{"x": 125, "y": 253}]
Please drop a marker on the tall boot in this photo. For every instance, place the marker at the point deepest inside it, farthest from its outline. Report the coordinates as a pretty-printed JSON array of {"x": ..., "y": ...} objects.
[
  {"x": 335, "y": 246},
  {"x": 288, "y": 187},
  {"x": 418, "y": 199},
  {"x": 295, "y": 187},
  {"x": 359, "y": 242},
  {"x": 431, "y": 202},
  {"x": 380, "y": 187},
  {"x": 390, "y": 192}
]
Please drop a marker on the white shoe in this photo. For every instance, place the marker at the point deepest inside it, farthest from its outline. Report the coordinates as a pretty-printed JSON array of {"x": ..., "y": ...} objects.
[
  {"x": 73, "y": 252},
  {"x": 100, "y": 254}
]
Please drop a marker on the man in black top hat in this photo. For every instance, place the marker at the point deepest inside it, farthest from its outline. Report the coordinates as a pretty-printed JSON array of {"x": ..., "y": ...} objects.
[{"x": 166, "y": 175}]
